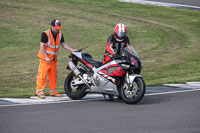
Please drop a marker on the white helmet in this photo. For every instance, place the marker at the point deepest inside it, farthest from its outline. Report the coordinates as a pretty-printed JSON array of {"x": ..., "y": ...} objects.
[{"x": 120, "y": 32}]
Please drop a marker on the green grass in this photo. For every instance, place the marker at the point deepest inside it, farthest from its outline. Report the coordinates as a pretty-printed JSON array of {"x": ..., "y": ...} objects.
[{"x": 166, "y": 39}]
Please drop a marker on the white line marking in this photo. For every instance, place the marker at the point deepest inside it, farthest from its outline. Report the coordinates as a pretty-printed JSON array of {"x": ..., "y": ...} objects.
[
  {"x": 70, "y": 101},
  {"x": 161, "y": 4},
  {"x": 172, "y": 92},
  {"x": 99, "y": 98}
]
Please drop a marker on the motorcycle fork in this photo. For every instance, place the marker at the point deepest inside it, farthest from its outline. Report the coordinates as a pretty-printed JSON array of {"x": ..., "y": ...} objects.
[{"x": 128, "y": 82}]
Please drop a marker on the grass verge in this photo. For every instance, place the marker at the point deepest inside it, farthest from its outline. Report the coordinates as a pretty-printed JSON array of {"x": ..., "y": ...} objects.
[{"x": 167, "y": 39}]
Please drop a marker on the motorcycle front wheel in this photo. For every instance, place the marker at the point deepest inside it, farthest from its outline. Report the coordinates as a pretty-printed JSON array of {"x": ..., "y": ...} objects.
[
  {"x": 75, "y": 92},
  {"x": 133, "y": 93}
]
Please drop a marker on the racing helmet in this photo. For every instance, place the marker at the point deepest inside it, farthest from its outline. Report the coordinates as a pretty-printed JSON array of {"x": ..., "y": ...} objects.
[{"x": 120, "y": 32}]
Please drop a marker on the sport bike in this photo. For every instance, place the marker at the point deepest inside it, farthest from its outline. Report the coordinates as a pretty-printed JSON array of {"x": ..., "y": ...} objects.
[{"x": 120, "y": 77}]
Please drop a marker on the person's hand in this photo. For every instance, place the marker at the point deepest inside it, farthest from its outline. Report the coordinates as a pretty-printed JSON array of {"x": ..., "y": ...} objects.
[
  {"x": 75, "y": 50},
  {"x": 48, "y": 59},
  {"x": 116, "y": 56}
]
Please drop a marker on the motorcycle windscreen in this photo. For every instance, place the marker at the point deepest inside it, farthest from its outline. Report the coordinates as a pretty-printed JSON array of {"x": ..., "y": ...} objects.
[
  {"x": 134, "y": 59},
  {"x": 131, "y": 50}
]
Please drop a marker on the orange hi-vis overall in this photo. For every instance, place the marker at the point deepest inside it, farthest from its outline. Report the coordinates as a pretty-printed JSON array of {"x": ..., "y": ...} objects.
[{"x": 51, "y": 48}]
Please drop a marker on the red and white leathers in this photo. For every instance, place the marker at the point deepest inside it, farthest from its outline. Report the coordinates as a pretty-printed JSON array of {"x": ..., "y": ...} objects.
[
  {"x": 113, "y": 46},
  {"x": 51, "y": 48}
]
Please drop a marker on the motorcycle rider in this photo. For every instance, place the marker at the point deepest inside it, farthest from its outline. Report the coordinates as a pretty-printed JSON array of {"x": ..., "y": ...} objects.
[{"x": 114, "y": 44}]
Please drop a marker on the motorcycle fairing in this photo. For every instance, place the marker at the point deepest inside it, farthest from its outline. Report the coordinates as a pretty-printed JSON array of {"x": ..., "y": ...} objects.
[
  {"x": 114, "y": 70},
  {"x": 133, "y": 57},
  {"x": 111, "y": 71},
  {"x": 134, "y": 62},
  {"x": 107, "y": 77},
  {"x": 104, "y": 85}
]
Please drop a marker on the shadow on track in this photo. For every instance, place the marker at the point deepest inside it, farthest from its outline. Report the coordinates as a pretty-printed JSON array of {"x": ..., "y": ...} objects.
[{"x": 147, "y": 100}]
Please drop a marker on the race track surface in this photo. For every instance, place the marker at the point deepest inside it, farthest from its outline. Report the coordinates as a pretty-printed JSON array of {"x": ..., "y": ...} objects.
[{"x": 162, "y": 113}]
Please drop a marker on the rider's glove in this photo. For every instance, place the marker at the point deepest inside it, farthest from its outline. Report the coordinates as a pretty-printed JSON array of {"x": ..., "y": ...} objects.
[{"x": 116, "y": 56}]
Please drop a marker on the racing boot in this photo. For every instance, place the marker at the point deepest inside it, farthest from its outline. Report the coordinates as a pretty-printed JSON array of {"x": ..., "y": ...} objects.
[{"x": 110, "y": 98}]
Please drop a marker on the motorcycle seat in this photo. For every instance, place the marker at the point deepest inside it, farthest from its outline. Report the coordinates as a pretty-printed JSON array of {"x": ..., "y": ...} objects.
[{"x": 88, "y": 58}]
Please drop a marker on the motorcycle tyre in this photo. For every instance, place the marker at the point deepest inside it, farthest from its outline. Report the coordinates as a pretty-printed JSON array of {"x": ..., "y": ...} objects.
[
  {"x": 67, "y": 86},
  {"x": 135, "y": 99}
]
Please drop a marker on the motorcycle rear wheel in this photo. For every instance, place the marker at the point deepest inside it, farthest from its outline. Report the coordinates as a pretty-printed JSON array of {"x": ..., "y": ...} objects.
[
  {"x": 136, "y": 93},
  {"x": 74, "y": 92}
]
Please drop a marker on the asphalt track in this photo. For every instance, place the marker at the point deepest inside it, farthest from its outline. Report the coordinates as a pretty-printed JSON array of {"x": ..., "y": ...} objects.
[
  {"x": 158, "y": 113},
  {"x": 190, "y": 86}
]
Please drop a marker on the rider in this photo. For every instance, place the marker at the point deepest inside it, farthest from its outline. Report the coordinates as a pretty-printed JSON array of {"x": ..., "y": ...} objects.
[{"x": 115, "y": 43}]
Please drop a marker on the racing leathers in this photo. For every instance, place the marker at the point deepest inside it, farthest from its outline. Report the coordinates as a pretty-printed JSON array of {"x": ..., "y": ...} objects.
[{"x": 113, "y": 47}]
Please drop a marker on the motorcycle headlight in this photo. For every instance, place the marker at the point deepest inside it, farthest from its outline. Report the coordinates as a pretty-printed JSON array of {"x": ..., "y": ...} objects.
[{"x": 124, "y": 65}]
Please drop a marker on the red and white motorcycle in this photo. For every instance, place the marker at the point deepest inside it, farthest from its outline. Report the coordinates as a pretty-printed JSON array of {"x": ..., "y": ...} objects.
[{"x": 120, "y": 77}]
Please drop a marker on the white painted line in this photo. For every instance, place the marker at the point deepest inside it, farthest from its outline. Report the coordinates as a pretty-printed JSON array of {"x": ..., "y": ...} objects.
[
  {"x": 70, "y": 101},
  {"x": 48, "y": 100},
  {"x": 194, "y": 83},
  {"x": 96, "y": 98},
  {"x": 161, "y": 4},
  {"x": 188, "y": 85},
  {"x": 172, "y": 92}
]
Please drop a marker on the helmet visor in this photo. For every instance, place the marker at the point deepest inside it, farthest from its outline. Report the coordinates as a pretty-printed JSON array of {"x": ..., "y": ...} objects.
[{"x": 120, "y": 35}]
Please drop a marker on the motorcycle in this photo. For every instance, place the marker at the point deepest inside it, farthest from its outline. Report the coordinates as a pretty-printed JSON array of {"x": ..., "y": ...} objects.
[{"x": 120, "y": 77}]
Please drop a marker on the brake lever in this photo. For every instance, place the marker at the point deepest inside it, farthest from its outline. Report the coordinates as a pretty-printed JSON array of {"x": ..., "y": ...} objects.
[{"x": 79, "y": 50}]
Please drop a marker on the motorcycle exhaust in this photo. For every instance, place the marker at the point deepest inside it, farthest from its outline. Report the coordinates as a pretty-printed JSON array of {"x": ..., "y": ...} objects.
[
  {"x": 77, "y": 72},
  {"x": 73, "y": 68}
]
